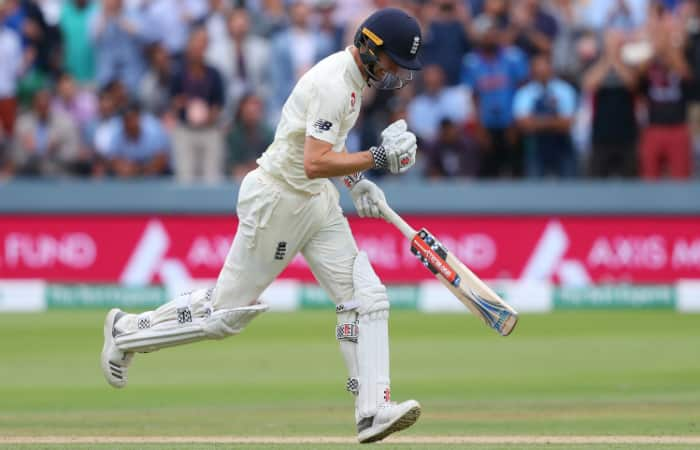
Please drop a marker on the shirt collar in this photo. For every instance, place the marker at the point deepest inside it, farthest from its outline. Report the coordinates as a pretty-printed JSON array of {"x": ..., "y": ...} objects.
[{"x": 354, "y": 71}]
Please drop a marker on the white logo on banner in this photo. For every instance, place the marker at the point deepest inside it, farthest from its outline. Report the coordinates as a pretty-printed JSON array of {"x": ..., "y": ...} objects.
[
  {"x": 148, "y": 260},
  {"x": 44, "y": 251},
  {"x": 548, "y": 259}
]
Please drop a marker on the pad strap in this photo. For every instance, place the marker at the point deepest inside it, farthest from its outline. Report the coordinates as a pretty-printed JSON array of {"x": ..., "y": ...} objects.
[
  {"x": 353, "y": 385},
  {"x": 347, "y": 331}
]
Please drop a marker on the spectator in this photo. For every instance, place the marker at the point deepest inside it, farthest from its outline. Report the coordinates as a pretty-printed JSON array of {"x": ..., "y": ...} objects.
[
  {"x": 544, "y": 110},
  {"x": 270, "y": 19},
  {"x": 494, "y": 73},
  {"x": 116, "y": 38},
  {"x": 11, "y": 57},
  {"x": 170, "y": 22},
  {"x": 40, "y": 42},
  {"x": 45, "y": 38},
  {"x": 154, "y": 91},
  {"x": 666, "y": 138},
  {"x": 118, "y": 93},
  {"x": 14, "y": 16},
  {"x": 216, "y": 21},
  {"x": 533, "y": 29},
  {"x": 334, "y": 31},
  {"x": 451, "y": 154},
  {"x": 74, "y": 102},
  {"x": 294, "y": 51},
  {"x": 243, "y": 60},
  {"x": 101, "y": 130},
  {"x": 618, "y": 14},
  {"x": 574, "y": 47},
  {"x": 436, "y": 102},
  {"x": 139, "y": 146},
  {"x": 78, "y": 53},
  {"x": 198, "y": 96},
  {"x": 612, "y": 86},
  {"x": 47, "y": 143},
  {"x": 446, "y": 41},
  {"x": 492, "y": 11},
  {"x": 691, "y": 27},
  {"x": 18, "y": 18},
  {"x": 249, "y": 137},
  {"x": 5, "y": 157},
  {"x": 51, "y": 10}
]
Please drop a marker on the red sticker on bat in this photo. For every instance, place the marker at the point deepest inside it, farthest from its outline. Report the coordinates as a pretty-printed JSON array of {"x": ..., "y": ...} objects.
[{"x": 434, "y": 259}]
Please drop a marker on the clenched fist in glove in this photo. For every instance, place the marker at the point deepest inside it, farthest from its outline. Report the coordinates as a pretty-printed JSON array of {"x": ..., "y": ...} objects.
[
  {"x": 365, "y": 196},
  {"x": 397, "y": 152}
]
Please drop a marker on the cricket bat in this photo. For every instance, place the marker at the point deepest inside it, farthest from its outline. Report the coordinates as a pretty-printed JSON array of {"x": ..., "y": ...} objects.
[{"x": 481, "y": 300}]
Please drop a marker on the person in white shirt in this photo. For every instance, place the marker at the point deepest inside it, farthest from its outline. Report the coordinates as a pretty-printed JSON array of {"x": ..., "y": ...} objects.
[{"x": 288, "y": 205}]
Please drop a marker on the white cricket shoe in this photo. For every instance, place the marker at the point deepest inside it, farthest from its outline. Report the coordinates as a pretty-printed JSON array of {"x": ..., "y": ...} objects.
[
  {"x": 114, "y": 361},
  {"x": 390, "y": 418}
]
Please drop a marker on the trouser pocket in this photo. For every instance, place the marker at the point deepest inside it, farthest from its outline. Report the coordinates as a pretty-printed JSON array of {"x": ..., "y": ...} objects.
[{"x": 257, "y": 202}]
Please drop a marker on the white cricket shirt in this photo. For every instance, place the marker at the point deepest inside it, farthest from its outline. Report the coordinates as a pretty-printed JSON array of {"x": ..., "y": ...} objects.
[{"x": 324, "y": 104}]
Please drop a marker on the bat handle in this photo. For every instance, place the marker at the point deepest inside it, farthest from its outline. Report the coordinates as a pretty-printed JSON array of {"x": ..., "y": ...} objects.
[{"x": 392, "y": 217}]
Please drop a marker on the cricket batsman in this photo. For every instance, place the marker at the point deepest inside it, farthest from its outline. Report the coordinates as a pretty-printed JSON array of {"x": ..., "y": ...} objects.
[{"x": 288, "y": 205}]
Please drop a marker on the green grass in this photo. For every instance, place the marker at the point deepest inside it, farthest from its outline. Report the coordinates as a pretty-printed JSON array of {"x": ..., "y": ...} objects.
[{"x": 567, "y": 373}]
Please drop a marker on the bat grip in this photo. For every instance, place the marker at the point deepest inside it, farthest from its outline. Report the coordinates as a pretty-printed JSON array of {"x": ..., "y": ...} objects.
[{"x": 392, "y": 217}]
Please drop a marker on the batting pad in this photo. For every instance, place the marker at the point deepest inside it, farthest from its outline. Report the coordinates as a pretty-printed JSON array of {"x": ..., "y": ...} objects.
[
  {"x": 373, "y": 362},
  {"x": 186, "y": 329}
]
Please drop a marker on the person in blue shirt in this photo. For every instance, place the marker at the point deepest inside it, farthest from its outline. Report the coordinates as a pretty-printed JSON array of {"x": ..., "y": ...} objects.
[
  {"x": 544, "y": 111},
  {"x": 116, "y": 34},
  {"x": 437, "y": 102},
  {"x": 494, "y": 73},
  {"x": 139, "y": 145},
  {"x": 446, "y": 40}
]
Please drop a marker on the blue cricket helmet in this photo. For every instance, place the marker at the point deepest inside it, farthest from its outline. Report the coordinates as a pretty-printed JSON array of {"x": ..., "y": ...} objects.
[{"x": 394, "y": 32}]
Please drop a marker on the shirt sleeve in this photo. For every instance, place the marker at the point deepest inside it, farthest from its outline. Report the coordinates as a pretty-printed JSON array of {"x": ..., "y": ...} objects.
[{"x": 324, "y": 114}]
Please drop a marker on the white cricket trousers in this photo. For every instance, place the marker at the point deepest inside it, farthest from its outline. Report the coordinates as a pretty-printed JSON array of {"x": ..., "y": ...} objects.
[{"x": 275, "y": 223}]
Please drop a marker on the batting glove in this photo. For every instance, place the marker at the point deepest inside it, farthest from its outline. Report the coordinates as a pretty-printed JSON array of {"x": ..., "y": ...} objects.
[
  {"x": 365, "y": 196},
  {"x": 397, "y": 152}
]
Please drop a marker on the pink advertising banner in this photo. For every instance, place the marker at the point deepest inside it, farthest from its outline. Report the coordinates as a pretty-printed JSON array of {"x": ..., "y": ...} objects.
[{"x": 139, "y": 249}]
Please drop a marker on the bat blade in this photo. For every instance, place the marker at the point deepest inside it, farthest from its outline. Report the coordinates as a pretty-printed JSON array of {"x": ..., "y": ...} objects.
[{"x": 481, "y": 300}]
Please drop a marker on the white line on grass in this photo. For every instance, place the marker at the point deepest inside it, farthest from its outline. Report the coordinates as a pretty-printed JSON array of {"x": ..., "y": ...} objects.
[{"x": 504, "y": 440}]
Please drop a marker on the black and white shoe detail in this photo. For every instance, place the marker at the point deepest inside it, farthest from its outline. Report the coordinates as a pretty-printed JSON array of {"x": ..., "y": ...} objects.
[
  {"x": 114, "y": 362},
  {"x": 390, "y": 419}
]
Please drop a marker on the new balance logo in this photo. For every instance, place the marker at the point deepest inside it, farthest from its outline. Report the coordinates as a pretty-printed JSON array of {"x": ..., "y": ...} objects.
[
  {"x": 281, "y": 250},
  {"x": 322, "y": 125}
]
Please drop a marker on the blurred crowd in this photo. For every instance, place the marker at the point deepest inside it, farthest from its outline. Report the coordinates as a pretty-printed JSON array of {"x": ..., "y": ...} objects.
[{"x": 192, "y": 89}]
